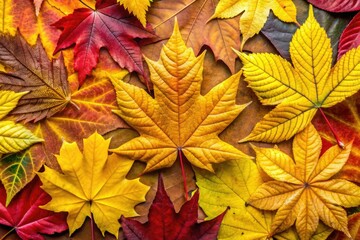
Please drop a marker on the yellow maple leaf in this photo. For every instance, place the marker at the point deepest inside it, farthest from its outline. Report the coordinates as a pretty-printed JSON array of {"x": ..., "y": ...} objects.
[
  {"x": 93, "y": 183},
  {"x": 255, "y": 13},
  {"x": 137, "y": 7},
  {"x": 13, "y": 137},
  {"x": 179, "y": 119},
  {"x": 305, "y": 191},
  {"x": 300, "y": 90}
]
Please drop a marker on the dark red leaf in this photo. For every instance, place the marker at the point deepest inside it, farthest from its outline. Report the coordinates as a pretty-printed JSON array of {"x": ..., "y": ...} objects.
[
  {"x": 24, "y": 214},
  {"x": 337, "y": 5},
  {"x": 109, "y": 26},
  {"x": 165, "y": 223},
  {"x": 350, "y": 38}
]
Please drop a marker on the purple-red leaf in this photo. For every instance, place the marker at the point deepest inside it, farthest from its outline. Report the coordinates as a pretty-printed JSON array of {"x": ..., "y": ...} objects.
[
  {"x": 165, "y": 223},
  {"x": 337, "y": 5},
  {"x": 24, "y": 215},
  {"x": 350, "y": 38},
  {"x": 109, "y": 26}
]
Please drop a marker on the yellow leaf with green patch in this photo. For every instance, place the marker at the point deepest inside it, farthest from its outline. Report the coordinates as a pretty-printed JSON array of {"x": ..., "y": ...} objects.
[
  {"x": 92, "y": 184},
  {"x": 303, "y": 190},
  {"x": 301, "y": 88},
  {"x": 254, "y": 13},
  {"x": 179, "y": 119}
]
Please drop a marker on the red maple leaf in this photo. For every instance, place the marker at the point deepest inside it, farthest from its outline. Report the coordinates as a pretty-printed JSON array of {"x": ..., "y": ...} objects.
[
  {"x": 165, "y": 223},
  {"x": 109, "y": 26},
  {"x": 25, "y": 216}
]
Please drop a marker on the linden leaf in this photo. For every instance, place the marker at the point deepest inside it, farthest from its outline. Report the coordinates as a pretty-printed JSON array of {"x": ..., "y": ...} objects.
[
  {"x": 93, "y": 183},
  {"x": 302, "y": 190},
  {"x": 300, "y": 90},
  {"x": 31, "y": 70},
  {"x": 219, "y": 35},
  {"x": 179, "y": 119},
  {"x": 255, "y": 13},
  {"x": 138, "y": 8},
  {"x": 165, "y": 223},
  {"x": 26, "y": 218},
  {"x": 109, "y": 26},
  {"x": 13, "y": 137}
]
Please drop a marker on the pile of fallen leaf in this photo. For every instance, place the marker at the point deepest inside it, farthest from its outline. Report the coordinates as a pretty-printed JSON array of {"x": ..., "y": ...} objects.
[{"x": 179, "y": 119}]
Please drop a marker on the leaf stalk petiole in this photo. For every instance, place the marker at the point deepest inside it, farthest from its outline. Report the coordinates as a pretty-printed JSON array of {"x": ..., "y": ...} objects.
[{"x": 339, "y": 142}]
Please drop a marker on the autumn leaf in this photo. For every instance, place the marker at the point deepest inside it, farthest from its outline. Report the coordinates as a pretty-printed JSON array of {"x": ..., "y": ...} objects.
[
  {"x": 220, "y": 35},
  {"x": 254, "y": 13},
  {"x": 29, "y": 69},
  {"x": 138, "y": 8},
  {"x": 349, "y": 38},
  {"x": 354, "y": 228},
  {"x": 165, "y": 223},
  {"x": 18, "y": 14},
  {"x": 301, "y": 90},
  {"x": 337, "y": 5},
  {"x": 108, "y": 26},
  {"x": 93, "y": 183},
  {"x": 37, "y": 4},
  {"x": 303, "y": 190},
  {"x": 26, "y": 218},
  {"x": 179, "y": 119},
  {"x": 13, "y": 137}
]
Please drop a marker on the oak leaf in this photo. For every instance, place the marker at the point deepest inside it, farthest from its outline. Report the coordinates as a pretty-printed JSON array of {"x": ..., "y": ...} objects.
[
  {"x": 13, "y": 137},
  {"x": 29, "y": 69},
  {"x": 301, "y": 90},
  {"x": 27, "y": 219},
  {"x": 92, "y": 184},
  {"x": 255, "y": 13},
  {"x": 221, "y": 35},
  {"x": 138, "y": 8},
  {"x": 179, "y": 119},
  {"x": 109, "y": 26},
  {"x": 165, "y": 223},
  {"x": 303, "y": 190}
]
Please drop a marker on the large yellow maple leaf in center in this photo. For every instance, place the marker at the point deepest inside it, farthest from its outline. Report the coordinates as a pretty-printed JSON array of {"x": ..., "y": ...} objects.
[
  {"x": 305, "y": 190},
  {"x": 179, "y": 119}
]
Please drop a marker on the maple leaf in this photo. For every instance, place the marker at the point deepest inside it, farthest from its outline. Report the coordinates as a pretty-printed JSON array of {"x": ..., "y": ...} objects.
[
  {"x": 109, "y": 26},
  {"x": 93, "y": 183},
  {"x": 138, "y": 8},
  {"x": 217, "y": 34},
  {"x": 27, "y": 219},
  {"x": 301, "y": 90},
  {"x": 165, "y": 223},
  {"x": 13, "y": 137},
  {"x": 29, "y": 69},
  {"x": 254, "y": 13},
  {"x": 179, "y": 119},
  {"x": 304, "y": 191}
]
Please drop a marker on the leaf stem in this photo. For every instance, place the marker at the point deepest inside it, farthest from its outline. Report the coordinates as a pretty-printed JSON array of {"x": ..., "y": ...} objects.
[
  {"x": 7, "y": 234},
  {"x": 339, "y": 142},
  {"x": 183, "y": 173},
  {"x": 86, "y": 5},
  {"x": 92, "y": 227}
]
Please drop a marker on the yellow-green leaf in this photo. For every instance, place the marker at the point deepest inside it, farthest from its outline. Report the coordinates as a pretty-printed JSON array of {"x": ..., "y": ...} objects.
[
  {"x": 92, "y": 182},
  {"x": 138, "y": 8},
  {"x": 301, "y": 89},
  {"x": 254, "y": 13},
  {"x": 179, "y": 119},
  {"x": 314, "y": 195},
  {"x": 8, "y": 101}
]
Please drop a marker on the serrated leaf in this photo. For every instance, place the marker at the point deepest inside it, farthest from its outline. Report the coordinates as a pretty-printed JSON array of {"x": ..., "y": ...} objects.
[
  {"x": 137, "y": 7},
  {"x": 108, "y": 26},
  {"x": 220, "y": 35},
  {"x": 313, "y": 196},
  {"x": 92, "y": 183},
  {"x": 179, "y": 119},
  {"x": 254, "y": 13},
  {"x": 8, "y": 101},
  {"x": 29, "y": 69},
  {"x": 350, "y": 37},
  {"x": 300, "y": 90}
]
